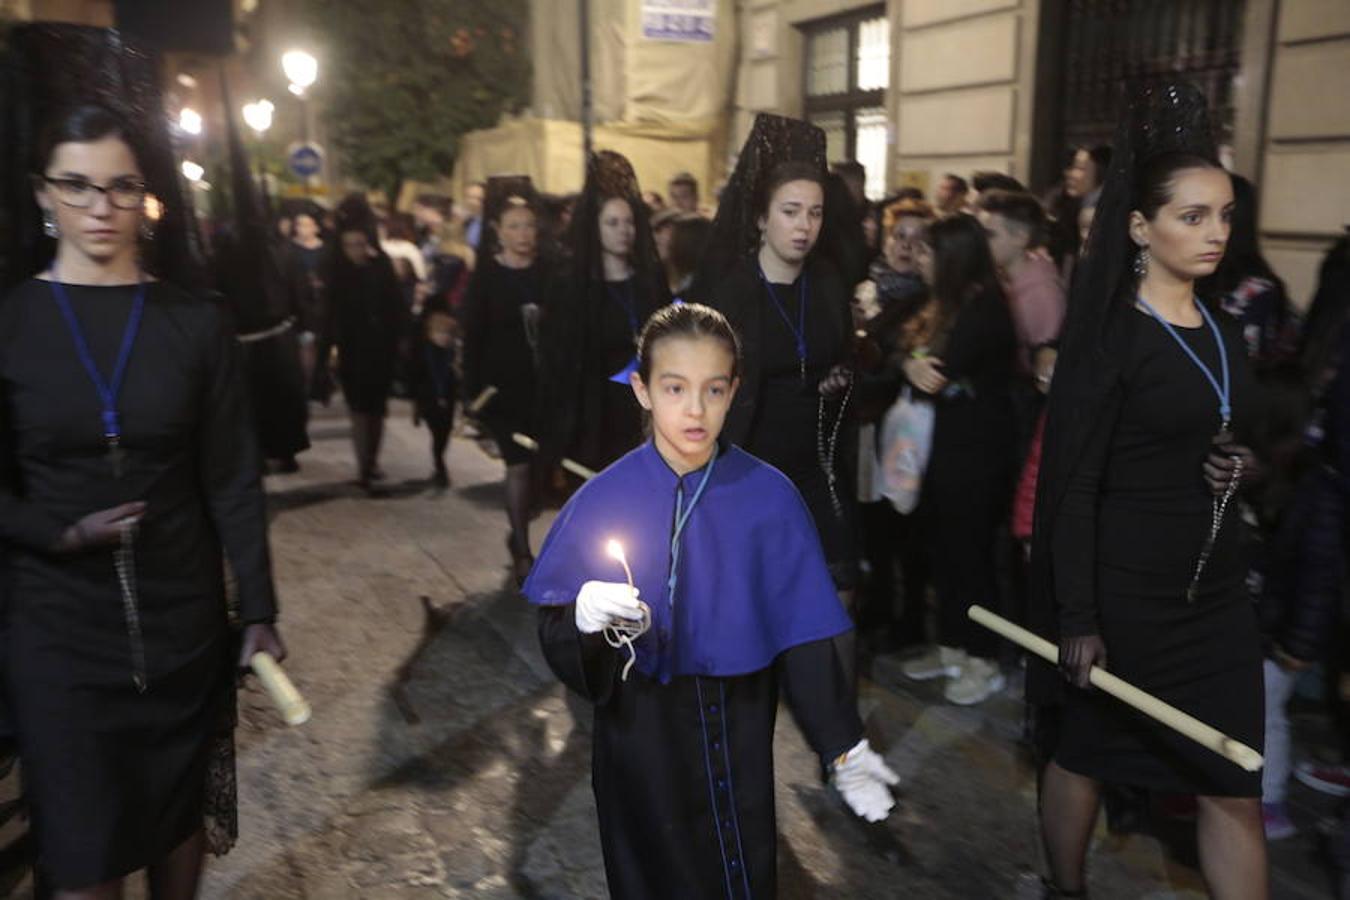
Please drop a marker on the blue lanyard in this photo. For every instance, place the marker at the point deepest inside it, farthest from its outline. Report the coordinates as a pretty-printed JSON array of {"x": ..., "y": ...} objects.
[
  {"x": 622, "y": 292},
  {"x": 1225, "y": 391},
  {"x": 107, "y": 390},
  {"x": 682, "y": 515},
  {"x": 798, "y": 331}
]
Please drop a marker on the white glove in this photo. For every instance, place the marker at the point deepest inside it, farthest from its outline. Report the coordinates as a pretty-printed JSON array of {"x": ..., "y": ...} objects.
[
  {"x": 599, "y": 603},
  {"x": 862, "y": 778}
]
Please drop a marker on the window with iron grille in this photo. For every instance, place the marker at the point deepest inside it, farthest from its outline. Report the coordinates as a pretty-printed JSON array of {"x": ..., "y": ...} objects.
[
  {"x": 1112, "y": 43},
  {"x": 846, "y": 73}
]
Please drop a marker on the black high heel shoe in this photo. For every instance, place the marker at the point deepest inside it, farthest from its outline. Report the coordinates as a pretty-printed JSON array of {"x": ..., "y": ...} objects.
[{"x": 1050, "y": 891}]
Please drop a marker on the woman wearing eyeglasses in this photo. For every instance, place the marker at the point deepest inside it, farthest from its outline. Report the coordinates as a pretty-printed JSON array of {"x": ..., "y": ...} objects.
[{"x": 128, "y": 473}]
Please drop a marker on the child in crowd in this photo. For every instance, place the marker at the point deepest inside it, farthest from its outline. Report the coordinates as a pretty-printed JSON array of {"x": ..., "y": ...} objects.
[
  {"x": 435, "y": 384},
  {"x": 728, "y": 598}
]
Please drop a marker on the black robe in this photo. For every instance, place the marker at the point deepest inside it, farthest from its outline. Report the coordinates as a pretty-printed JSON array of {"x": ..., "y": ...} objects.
[{"x": 683, "y": 772}]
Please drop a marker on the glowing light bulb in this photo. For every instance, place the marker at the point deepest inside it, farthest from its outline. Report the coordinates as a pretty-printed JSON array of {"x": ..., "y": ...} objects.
[{"x": 190, "y": 121}]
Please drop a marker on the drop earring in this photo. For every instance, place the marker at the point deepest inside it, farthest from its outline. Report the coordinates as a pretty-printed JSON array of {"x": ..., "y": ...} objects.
[
  {"x": 1141, "y": 263},
  {"x": 147, "y": 229},
  {"x": 49, "y": 226}
]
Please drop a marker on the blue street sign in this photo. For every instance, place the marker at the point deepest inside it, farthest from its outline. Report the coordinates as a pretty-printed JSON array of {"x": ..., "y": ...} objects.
[{"x": 305, "y": 161}]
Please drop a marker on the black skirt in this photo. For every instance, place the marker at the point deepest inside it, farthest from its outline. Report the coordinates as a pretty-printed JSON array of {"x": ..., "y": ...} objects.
[
  {"x": 1201, "y": 657},
  {"x": 116, "y": 778}
]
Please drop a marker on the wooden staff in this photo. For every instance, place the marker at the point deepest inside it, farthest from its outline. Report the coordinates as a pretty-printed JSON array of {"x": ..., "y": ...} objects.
[
  {"x": 1234, "y": 751},
  {"x": 570, "y": 465},
  {"x": 293, "y": 707},
  {"x": 482, "y": 399}
]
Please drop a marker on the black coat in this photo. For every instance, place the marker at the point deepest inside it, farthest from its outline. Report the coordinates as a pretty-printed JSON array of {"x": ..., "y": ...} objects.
[{"x": 367, "y": 320}]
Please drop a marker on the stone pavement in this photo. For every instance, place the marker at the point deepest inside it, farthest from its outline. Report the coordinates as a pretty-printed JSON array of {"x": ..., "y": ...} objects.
[{"x": 444, "y": 760}]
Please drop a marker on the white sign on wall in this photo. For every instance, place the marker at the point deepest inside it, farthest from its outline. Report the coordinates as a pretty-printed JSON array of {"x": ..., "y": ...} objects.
[{"x": 687, "y": 21}]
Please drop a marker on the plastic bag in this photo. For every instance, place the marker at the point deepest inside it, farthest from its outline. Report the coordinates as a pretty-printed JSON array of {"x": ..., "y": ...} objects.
[{"x": 906, "y": 442}]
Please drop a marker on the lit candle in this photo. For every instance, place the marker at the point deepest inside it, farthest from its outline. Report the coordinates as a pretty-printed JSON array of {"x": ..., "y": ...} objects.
[{"x": 615, "y": 550}]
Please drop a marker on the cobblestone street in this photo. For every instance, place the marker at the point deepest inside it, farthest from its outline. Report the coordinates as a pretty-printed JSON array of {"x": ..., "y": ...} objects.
[{"x": 444, "y": 760}]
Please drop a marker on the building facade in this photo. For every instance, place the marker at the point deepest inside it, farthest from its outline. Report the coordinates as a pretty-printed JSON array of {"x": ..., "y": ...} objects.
[{"x": 917, "y": 88}]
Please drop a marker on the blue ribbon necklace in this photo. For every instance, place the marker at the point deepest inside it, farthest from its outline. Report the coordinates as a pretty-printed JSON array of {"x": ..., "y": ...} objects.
[
  {"x": 1219, "y": 505},
  {"x": 1224, "y": 390},
  {"x": 107, "y": 389},
  {"x": 798, "y": 330},
  {"x": 682, "y": 514}
]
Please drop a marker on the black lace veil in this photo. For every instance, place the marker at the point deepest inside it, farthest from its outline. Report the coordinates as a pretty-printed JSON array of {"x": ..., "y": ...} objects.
[
  {"x": 609, "y": 175},
  {"x": 735, "y": 234},
  {"x": 51, "y": 68},
  {"x": 247, "y": 268}
]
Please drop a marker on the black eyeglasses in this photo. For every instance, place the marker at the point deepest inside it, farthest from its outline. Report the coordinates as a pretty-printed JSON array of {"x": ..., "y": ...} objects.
[{"x": 122, "y": 193}]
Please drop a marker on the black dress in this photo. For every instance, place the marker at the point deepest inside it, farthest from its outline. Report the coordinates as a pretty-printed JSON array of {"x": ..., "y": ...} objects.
[
  {"x": 1124, "y": 549},
  {"x": 776, "y": 415},
  {"x": 368, "y": 320},
  {"x": 968, "y": 483},
  {"x": 115, "y": 777},
  {"x": 500, "y": 334},
  {"x": 661, "y": 753}
]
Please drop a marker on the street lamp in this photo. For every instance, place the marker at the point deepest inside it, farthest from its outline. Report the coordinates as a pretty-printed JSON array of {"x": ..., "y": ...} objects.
[
  {"x": 190, "y": 121},
  {"x": 258, "y": 116},
  {"x": 301, "y": 69}
]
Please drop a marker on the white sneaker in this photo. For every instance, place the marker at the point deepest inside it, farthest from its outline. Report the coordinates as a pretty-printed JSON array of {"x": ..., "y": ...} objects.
[
  {"x": 979, "y": 680},
  {"x": 939, "y": 662}
]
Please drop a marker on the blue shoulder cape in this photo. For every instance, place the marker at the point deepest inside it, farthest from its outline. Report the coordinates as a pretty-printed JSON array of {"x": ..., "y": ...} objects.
[{"x": 752, "y": 578}]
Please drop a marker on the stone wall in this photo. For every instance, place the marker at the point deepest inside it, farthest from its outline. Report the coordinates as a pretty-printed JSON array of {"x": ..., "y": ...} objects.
[
  {"x": 1304, "y": 167},
  {"x": 950, "y": 109},
  {"x": 958, "y": 110}
]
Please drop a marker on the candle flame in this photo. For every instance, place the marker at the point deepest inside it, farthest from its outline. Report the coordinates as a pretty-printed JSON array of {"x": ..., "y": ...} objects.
[{"x": 615, "y": 550}]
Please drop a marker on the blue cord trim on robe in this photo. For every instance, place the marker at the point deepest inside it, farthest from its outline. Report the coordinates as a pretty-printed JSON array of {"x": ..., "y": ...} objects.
[
  {"x": 712, "y": 788},
  {"x": 731, "y": 786}
]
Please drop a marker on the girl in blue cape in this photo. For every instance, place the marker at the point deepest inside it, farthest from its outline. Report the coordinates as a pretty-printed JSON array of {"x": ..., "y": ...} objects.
[{"x": 729, "y": 597}]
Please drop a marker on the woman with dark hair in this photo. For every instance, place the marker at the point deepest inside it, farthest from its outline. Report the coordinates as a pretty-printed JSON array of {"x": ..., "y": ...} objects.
[
  {"x": 611, "y": 284},
  {"x": 303, "y": 258},
  {"x": 1247, "y": 288},
  {"x": 368, "y": 319},
  {"x": 793, "y": 311},
  {"x": 501, "y": 343},
  {"x": 128, "y": 474},
  {"x": 961, "y": 350},
  {"x": 1137, "y": 558},
  {"x": 688, "y": 236},
  {"x": 1082, "y": 187}
]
